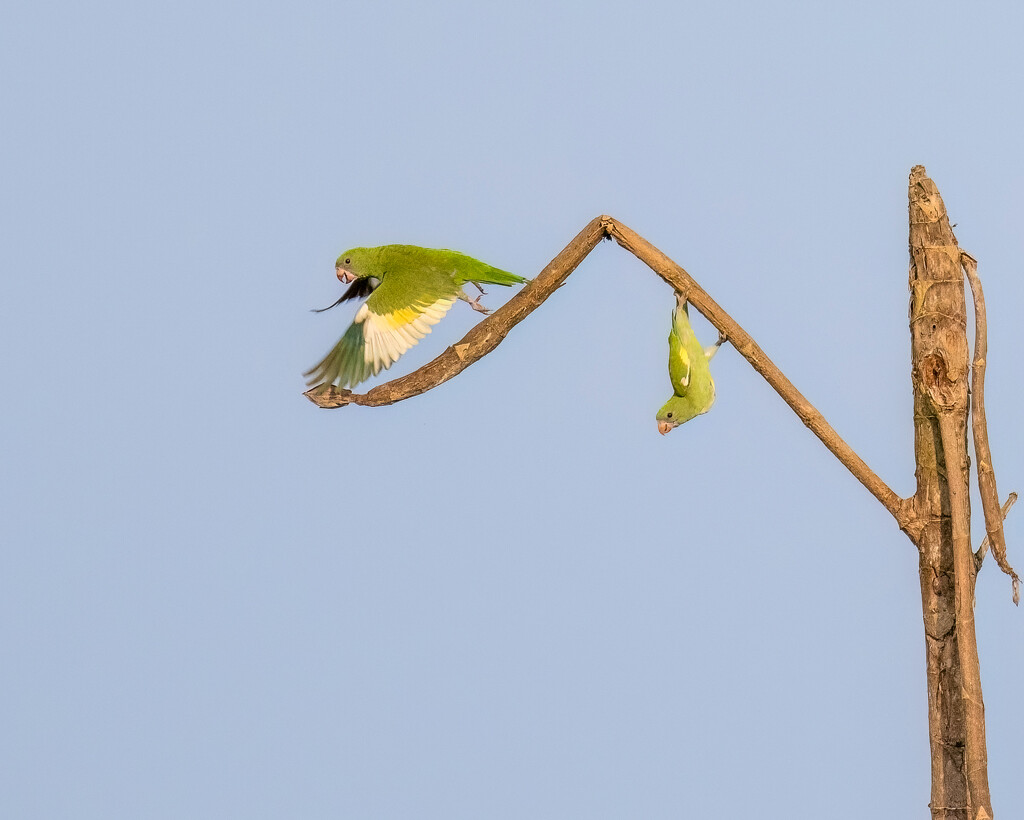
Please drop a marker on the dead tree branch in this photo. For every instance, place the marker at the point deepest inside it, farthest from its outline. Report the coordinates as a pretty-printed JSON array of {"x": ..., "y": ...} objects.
[
  {"x": 979, "y": 556},
  {"x": 489, "y": 333},
  {"x": 982, "y": 451},
  {"x": 679, "y": 279}
]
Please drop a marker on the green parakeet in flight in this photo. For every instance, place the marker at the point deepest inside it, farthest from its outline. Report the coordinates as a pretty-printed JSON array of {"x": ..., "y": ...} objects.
[
  {"x": 407, "y": 290},
  {"x": 689, "y": 370}
]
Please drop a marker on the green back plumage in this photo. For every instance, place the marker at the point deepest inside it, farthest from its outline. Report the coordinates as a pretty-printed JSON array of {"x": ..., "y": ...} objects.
[
  {"x": 464, "y": 268},
  {"x": 410, "y": 278},
  {"x": 421, "y": 274}
]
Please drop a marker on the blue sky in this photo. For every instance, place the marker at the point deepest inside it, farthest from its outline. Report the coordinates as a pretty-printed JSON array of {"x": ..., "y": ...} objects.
[{"x": 509, "y": 597}]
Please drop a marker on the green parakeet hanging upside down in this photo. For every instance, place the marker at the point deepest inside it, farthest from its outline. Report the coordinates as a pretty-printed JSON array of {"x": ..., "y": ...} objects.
[
  {"x": 407, "y": 290},
  {"x": 689, "y": 370}
]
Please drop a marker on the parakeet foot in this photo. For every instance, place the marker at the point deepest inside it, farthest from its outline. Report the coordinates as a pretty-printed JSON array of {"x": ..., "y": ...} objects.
[
  {"x": 475, "y": 304},
  {"x": 710, "y": 352}
]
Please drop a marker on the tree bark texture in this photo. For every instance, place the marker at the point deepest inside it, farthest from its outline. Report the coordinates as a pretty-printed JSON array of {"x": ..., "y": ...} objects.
[{"x": 939, "y": 356}]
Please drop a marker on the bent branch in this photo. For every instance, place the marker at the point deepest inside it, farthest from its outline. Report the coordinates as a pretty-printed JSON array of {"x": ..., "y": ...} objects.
[
  {"x": 979, "y": 556},
  {"x": 489, "y": 333}
]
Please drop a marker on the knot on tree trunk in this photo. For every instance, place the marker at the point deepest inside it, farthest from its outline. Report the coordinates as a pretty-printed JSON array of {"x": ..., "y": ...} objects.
[{"x": 934, "y": 375}]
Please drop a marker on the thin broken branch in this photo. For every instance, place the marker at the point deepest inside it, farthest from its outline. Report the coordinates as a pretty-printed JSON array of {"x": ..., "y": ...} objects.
[
  {"x": 489, "y": 333},
  {"x": 982, "y": 451},
  {"x": 979, "y": 556}
]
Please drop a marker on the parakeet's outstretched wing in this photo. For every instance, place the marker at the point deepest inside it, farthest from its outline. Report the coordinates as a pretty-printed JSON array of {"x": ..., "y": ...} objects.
[
  {"x": 345, "y": 364},
  {"x": 384, "y": 328}
]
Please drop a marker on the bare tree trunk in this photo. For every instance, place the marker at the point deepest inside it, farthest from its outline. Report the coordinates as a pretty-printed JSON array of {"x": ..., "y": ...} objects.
[{"x": 939, "y": 354}]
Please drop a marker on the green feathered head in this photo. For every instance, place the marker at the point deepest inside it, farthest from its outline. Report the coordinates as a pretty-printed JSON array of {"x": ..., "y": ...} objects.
[
  {"x": 356, "y": 263},
  {"x": 677, "y": 410}
]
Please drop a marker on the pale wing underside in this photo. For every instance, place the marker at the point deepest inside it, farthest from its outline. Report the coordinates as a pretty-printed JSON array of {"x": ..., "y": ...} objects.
[
  {"x": 386, "y": 336},
  {"x": 375, "y": 341}
]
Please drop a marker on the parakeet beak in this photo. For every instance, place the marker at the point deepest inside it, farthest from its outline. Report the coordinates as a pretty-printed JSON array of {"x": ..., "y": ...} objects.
[
  {"x": 344, "y": 275},
  {"x": 665, "y": 427}
]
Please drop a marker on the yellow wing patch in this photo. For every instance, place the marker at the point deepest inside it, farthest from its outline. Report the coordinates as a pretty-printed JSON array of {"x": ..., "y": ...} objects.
[
  {"x": 684, "y": 380},
  {"x": 388, "y": 335}
]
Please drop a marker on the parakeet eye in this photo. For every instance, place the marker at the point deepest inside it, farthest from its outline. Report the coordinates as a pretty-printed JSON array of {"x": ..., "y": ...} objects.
[
  {"x": 348, "y": 261},
  {"x": 668, "y": 415}
]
